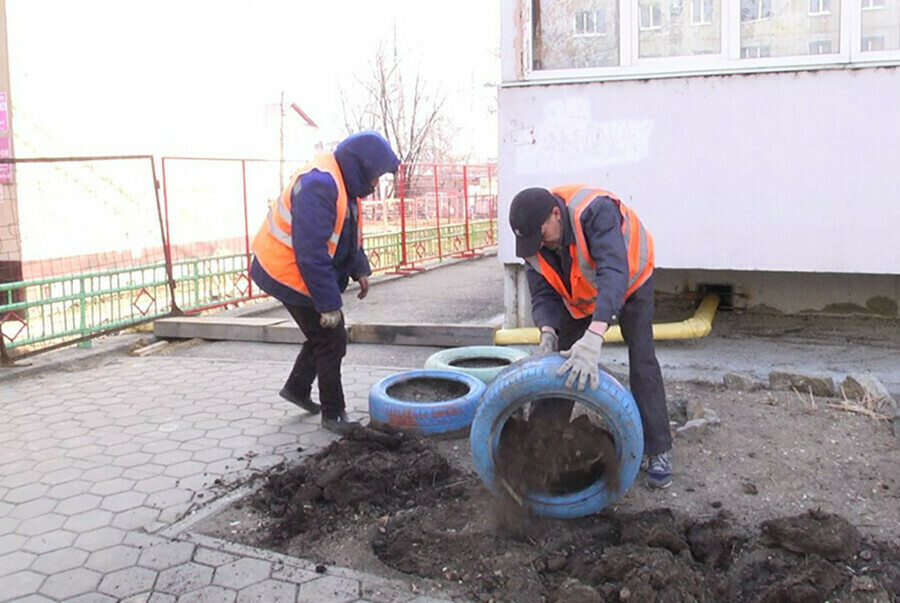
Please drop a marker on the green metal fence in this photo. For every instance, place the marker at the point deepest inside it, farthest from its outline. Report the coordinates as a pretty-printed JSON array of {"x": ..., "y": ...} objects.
[
  {"x": 74, "y": 308},
  {"x": 99, "y": 251}
]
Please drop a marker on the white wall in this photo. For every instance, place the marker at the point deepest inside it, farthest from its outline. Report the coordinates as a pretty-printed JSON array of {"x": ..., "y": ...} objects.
[{"x": 790, "y": 172}]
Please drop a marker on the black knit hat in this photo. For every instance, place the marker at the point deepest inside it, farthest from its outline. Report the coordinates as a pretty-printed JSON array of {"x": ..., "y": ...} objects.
[{"x": 527, "y": 213}]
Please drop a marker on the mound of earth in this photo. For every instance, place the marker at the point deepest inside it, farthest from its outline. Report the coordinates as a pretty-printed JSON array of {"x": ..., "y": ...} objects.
[{"x": 405, "y": 506}]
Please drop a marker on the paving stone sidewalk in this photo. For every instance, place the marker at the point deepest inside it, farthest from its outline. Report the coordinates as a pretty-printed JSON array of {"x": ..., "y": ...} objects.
[{"x": 103, "y": 469}]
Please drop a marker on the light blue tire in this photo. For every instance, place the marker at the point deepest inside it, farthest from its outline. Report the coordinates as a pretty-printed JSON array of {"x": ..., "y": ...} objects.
[
  {"x": 534, "y": 379},
  {"x": 445, "y": 417},
  {"x": 447, "y": 360}
]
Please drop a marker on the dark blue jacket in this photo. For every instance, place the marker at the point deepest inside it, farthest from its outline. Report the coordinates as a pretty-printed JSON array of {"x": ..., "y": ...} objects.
[
  {"x": 362, "y": 158},
  {"x": 602, "y": 225}
]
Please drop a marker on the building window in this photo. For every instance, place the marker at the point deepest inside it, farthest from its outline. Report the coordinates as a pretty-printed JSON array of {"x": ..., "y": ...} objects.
[
  {"x": 609, "y": 39},
  {"x": 819, "y": 7},
  {"x": 651, "y": 16},
  {"x": 870, "y": 43},
  {"x": 755, "y": 52},
  {"x": 820, "y": 47},
  {"x": 590, "y": 23},
  {"x": 756, "y": 10},
  {"x": 701, "y": 12}
]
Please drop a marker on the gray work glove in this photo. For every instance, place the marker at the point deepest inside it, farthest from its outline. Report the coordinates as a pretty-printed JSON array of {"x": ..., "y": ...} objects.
[
  {"x": 330, "y": 320},
  {"x": 549, "y": 342},
  {"x": 583, "y": 360}
]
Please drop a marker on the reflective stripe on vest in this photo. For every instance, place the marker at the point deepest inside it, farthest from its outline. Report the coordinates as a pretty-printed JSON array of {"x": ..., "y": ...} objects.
[
  {"x": 583, "y": 276},
  {"x": 273, "y": 244},
  {"x": 285, "y": 214}
]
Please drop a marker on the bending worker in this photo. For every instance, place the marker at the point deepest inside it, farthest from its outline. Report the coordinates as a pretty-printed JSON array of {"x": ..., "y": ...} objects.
[
  {"x": 589, "y": 263},
  {"x": 306, "y": 252}
]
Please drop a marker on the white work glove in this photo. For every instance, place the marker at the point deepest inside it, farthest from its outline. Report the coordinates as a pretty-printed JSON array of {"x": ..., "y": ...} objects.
[
  {"x": 583, "y": 361},
  {"x": 549, "y": 342},
  {"x": 330, "y": 320}
]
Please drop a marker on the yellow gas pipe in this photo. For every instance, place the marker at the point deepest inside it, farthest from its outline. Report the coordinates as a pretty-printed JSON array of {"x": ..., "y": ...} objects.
[{"x": 698, "y": 325}]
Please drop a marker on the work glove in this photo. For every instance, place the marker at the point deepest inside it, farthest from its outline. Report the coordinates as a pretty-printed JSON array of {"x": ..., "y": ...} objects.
[
  {"x": 583, "y": 361},
  {"x": 330, "y": 320},
  {"x": 549, "y": 342}
]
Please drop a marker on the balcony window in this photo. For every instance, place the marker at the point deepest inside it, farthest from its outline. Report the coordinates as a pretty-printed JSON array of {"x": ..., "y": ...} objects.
[{"x": 612, "y": 39}]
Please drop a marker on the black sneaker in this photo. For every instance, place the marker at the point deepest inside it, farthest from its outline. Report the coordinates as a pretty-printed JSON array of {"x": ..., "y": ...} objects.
[
  {"x": 305, "y": 403},
  {"x": 340, "y": 424}
]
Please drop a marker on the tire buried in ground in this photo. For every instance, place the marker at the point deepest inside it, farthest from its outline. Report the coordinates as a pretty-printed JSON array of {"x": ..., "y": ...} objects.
[
  {"x": 483, "y": 362},
  {"x": 596, "y": 478},
  {"x": 426, "y": 402}
]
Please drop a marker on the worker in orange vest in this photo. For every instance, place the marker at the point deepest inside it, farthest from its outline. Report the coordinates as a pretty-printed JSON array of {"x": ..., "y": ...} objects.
[
  {"x": 305, "y": 253},
  {"x": 590, "y": 263}
]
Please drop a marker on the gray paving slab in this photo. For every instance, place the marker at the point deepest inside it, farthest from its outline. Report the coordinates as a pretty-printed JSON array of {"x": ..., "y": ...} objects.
[
  {"x": 94, "y": 511},
  {"x": 107, "y": 460}
]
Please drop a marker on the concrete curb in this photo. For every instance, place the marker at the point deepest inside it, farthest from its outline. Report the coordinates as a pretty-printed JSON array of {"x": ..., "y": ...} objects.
[{"x": 71, "y": 358}]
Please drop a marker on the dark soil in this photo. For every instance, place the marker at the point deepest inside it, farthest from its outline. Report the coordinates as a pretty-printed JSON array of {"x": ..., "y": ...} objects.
[
  {"x": 427, "y": 389},
  {"x": 424, "y": 515},
  {"x": 480, "y": 362},
  {"x": 556, "y": 457}
]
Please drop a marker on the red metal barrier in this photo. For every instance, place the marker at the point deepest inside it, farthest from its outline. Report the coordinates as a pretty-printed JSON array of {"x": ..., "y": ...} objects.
[{"x": 212, "y": 208}]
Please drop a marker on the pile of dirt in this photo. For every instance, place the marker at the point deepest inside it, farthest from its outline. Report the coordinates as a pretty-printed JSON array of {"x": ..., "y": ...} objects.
[
  {"x": 423, "y": 514},
  {"x": 367, "y": 472},
  {"x": 556, "y": 457}
]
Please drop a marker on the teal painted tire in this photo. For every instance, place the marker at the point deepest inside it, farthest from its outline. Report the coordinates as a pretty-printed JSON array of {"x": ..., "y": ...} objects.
[
  {"x": 534, "y": 379},
  {"x": 449, "y": 415},
  {"x": 467, "y": 360}
]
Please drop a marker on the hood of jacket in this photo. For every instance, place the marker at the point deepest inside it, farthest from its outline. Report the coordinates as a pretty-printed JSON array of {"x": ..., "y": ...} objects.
[{"x": 363, "y": 157}]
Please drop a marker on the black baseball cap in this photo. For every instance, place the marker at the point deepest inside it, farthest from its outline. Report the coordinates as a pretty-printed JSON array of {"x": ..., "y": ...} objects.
[{"x": 529, "y": 210}]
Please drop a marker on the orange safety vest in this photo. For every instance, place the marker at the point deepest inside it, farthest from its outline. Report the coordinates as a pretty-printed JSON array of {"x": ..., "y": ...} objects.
[
  {"x": 638, "y": 242},
  {"x": 273, "y": 245}
]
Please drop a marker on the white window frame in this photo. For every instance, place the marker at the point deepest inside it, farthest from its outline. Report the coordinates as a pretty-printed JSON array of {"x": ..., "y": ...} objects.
[
  {"x": 865, "y": 39},
  {"x": 822, "y": 8},
  {"x": 816, "y": 45},
  {"x": 871, "y": 4},
  {"x": 654, "y": 24},
  {"x": 759, "y": 12},
  {"x": 728, "y": 61},
  {"x": 592, "y": 34},
  {"x": 758, "y": 48},
  {"x": 702, "y": 18}
]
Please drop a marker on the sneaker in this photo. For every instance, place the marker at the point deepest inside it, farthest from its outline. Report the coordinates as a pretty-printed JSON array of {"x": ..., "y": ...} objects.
[
  {"x": 340, "y": 424},
  {"x": 305, "y": 403},
  {"x": 659, "y": 470}
]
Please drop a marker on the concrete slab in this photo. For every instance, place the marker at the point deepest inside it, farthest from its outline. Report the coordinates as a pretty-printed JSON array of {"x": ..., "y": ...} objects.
[
  {"x": 227, "y": 328},
  {"x": 447, "y": 335}
]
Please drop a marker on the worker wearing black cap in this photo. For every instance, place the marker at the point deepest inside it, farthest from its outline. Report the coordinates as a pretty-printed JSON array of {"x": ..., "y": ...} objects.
[{"x": 590, "y": 263}]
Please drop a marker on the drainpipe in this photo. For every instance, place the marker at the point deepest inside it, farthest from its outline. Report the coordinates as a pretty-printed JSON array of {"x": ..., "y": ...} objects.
[{"x": 697, "y": 326}]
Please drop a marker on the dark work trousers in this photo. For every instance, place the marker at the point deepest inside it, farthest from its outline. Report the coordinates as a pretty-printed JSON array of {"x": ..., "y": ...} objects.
[
  {"x": 644, "y": 374},
  {"x": 321, "y": 357}
]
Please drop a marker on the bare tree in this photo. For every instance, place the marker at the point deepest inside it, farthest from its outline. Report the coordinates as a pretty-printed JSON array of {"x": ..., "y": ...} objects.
[{"x": 403, "y": 105}]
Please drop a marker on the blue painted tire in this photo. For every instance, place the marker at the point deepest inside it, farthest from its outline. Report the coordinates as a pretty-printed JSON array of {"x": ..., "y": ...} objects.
[
  {"x": 446, "y": 360},
  {"x": 426, "y": 417},
  {"x": 534, "y": 379}
]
